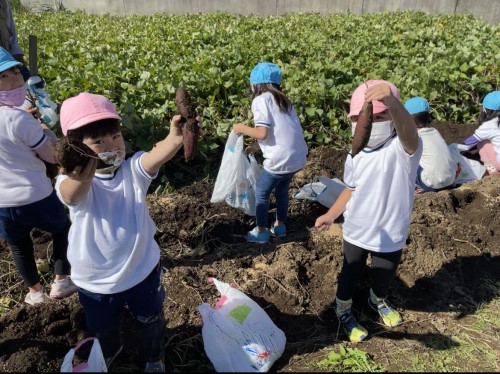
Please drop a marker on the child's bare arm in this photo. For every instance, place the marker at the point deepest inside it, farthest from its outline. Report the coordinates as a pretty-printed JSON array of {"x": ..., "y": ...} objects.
[
  {"x": 259, "y": 132},
  {"x": 76, "y": 187},
  {"x": 338, "y": 207},
  {"x": 165, "y": 149},
  {"x": 403, "y": 121}
]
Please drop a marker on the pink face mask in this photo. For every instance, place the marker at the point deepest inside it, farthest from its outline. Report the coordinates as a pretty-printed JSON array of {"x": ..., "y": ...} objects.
[{"x": 13, "y": 97}]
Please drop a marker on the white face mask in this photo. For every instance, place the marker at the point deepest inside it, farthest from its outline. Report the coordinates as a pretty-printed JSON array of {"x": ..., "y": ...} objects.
[
  {"x": 114, "y": 158},
  {"x": 381, "y": 131}
]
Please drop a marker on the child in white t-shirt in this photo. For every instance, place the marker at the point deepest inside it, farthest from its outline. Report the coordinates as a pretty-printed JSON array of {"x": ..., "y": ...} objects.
[
  {"x": 114, "y": 256},
  {"x": 376, "y": 203},
  {"x": 280, "y": 137},
  {"x": 487, "y": 136},
  {"x": 437, "y": 170},
  {"x": 28, "y": 199}
]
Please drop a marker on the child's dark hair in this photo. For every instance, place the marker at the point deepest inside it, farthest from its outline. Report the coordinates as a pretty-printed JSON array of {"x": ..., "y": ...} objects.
[
  {"x": 284, "y": 104},
  {"x": 422, "y": 119},
  {"x": 487, "y": 115},
  {"x": 107, "y": 126}
]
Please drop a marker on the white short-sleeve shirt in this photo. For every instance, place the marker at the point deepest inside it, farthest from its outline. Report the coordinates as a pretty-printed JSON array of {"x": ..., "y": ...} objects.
[
  {"x": 111, "y": 240},
  {"x": 490, "y": 130},
  {"x": 285, "y": 149}
]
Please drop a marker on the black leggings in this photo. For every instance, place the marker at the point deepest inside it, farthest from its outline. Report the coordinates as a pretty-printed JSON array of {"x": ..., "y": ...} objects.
[{"x": 383, "y": 270}]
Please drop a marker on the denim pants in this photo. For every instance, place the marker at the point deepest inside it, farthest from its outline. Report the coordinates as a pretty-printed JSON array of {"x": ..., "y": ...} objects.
[
  {"x": 16, "y": 224},
  {"x": 269, "y": 182},
  {"x": 145, "y": 302}
]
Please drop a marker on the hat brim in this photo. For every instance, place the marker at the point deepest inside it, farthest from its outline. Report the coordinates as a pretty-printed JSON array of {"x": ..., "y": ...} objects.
[
  {"x": 378, "y": 107},
  {"x": 92, "y": 118},
  {"x": 9, "y": 64}
]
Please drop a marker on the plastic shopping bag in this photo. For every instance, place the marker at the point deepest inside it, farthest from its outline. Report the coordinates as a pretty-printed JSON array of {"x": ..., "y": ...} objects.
[
  {"x": 226, "y": 180},
  {"x": 309, "y": 191},
  {"x": 237, "y": 333},
  {"x": 332, "y": 191},
  {"x": 247, "y": 176},
  {"x": 95, "y": 362},
  {"x": 471, "y": 169}
]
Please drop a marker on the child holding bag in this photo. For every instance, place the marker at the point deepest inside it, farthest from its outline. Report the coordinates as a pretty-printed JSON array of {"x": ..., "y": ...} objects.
[{"x": 280, "y": 137}]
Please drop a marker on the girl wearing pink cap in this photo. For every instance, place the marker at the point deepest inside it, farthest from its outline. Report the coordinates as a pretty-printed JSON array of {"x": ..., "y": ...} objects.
[
  {"x": 28, "y": 199},
  {"x": 376, "y": 204},
  {"x": 114, "y": 256}
]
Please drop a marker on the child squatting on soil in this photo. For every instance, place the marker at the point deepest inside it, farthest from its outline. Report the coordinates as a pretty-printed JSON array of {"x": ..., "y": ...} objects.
[
  {"x": 437, "y": 169},
  {"x": 114, "y": 256},
  {"x": 376, "y": 203},
  {"x": 280, "y": 137},
  {"x": 28, "y": 199},
  {"x": 487, "y": 136}
]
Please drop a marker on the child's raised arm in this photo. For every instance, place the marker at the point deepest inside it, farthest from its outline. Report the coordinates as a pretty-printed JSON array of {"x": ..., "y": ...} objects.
[
  {"x": 403, "y": 121},
  {"x": 76, "y": 187},
  {"x": 165, "y": 149}
]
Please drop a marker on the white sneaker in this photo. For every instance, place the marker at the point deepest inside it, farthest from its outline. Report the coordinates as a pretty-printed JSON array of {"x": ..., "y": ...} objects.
[
  {"x": 62, "y": 288},
  {"x": 39, "y": 297}
]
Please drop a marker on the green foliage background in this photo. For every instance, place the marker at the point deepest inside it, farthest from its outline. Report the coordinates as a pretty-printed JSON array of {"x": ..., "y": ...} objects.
[{"x": 138, "y": 61}]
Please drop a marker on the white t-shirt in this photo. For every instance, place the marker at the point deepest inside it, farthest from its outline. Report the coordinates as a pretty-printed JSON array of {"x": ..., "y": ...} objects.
[
  {"x": 377, "y": 216},
  {"x": 438, "y": 167},
  {"x": 111, "y": 240},
  {"x": 23, "y": 178},
  {"x": 284, "y": 149},
  {"x": 490, "y": 130}
]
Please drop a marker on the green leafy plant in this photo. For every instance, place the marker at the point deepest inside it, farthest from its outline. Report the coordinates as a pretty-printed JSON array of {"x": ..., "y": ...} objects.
[{"x": 349, "y": 359}]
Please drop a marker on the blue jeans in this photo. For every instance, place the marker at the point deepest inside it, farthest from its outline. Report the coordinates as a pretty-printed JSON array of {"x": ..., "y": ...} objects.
[
  {"x": 145, "y": 303},
  {"x": 16, "y": 224},
  {"x": 269, "y": 182}
]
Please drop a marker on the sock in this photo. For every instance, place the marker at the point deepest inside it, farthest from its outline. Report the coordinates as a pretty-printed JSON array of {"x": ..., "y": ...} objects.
[
  {"x": 342, "y": 306},
  {"x": 374, "y": 298}
]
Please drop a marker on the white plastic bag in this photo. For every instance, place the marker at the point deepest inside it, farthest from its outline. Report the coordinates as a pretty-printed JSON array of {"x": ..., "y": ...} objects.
[
  {"x": 226, "y": 178},
  {"x": 309, "y": 191},
  {"x": 237, "y": 333},
  {"x": 247, "y": 176},
  {"x": 471, "y": 169},
  {"x": 332, "y": 191},
  {"x": 95, "y": 362}
]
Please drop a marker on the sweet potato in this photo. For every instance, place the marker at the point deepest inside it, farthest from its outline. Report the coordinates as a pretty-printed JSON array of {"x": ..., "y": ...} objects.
[
  {"x": 70, "y": 153},
  {"x": 190, "y": 129},
  {"x": 363, "y": 129}
]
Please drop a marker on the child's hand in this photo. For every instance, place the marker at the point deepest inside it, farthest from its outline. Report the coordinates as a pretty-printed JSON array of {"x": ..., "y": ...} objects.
[
  {"x": 252, "y": 148},
  {"x": 176, "y": 126},
  {"x": 239, "y": 128},
  {"x": 83, "y": 175},
  {"x": 323, "y": 222},
  {"x": 381, "y": 92}
]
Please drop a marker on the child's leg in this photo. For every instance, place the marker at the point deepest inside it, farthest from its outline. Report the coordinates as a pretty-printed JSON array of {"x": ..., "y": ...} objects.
[
  {"x": 489, "y": 156},
  {"x": 352, "y": 270},
  {"x": 384, "y": 266},
  {"x": 281, "y": 196},
  {"x": 103, "y": 314},
  {"x": 145, "y": 302},
  {"x": 266, "y": 185}
]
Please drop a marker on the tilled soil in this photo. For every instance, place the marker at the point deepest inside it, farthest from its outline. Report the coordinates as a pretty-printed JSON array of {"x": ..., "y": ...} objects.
[{"x": 452, "y": 254}]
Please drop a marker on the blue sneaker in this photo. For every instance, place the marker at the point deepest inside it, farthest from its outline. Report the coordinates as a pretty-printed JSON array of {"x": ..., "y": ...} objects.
[
  {"x": 257, "y": 237},
  {"x": 278, "y": 231}
]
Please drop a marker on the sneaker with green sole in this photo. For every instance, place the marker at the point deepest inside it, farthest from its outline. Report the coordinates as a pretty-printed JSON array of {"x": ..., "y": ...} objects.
[
  {"x": 390, "y": 316},
  {"x": 355, "y": 332}
]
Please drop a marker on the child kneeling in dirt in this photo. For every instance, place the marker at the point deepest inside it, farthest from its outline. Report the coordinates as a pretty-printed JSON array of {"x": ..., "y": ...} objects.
[
  {"x": 114, "y": 256},
  {"x": 376, "y": 203},
  {"x": 437, "y": 169},
  {"x": 487, "y": 136},
  {"x": 28, "y": 199}
]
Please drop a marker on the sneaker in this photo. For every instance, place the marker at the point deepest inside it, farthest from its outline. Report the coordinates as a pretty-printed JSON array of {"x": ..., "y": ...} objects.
[
  {"x": 257, "y": 237},
  {"x": 278, "y": 231},
  {"x": 110, "y": 360},
  {"x": 62, "y": 288},
  {"x": 33, "y": 298},
  {"x": 155, "y": 367},
  {"x": 390, "y": 316},
  {"x": 355, "y": 332}
]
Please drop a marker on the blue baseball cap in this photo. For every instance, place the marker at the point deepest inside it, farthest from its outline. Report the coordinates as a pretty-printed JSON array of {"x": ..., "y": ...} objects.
[
  {"x": 6, "y": 60},
  {"x": 416, "y": 104},
  {"x": 265, "y": 72},
  {"x": 492, "y": 101}
]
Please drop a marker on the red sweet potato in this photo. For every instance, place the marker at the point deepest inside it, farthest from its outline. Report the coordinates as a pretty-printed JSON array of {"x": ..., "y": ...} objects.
[
  {"x": 363, "y": 129},
  {"x": 190, "y": 129}
]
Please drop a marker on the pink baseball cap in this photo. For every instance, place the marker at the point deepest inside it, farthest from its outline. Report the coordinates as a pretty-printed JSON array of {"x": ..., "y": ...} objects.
[
  {"x": 358, "y": 97},
  {"x": 85, "y": 108}
]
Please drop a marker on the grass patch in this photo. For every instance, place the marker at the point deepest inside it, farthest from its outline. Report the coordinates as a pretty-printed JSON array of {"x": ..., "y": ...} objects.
[{"x": 349, "y": 360}]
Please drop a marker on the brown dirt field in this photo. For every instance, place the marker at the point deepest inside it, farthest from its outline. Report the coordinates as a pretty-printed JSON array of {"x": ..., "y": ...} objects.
[{"x": 452, "y": 253}]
